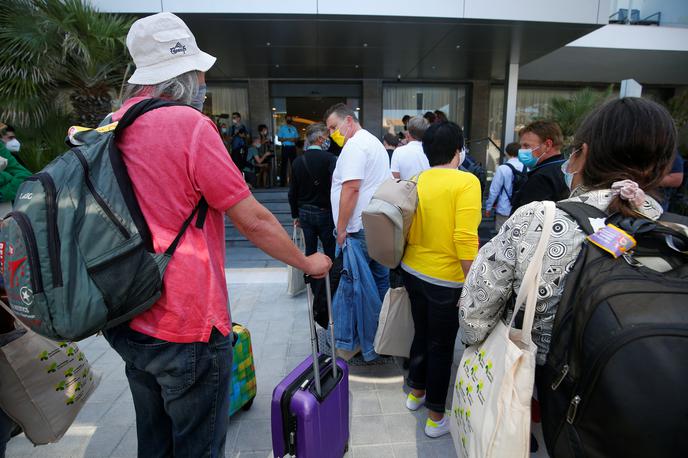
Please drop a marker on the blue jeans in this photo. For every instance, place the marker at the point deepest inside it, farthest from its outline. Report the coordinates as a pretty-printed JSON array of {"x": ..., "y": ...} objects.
[
  {"x": 180, "y": 391},
  {"x": 380, "y": 272},
  {"x": 317, "y": 224}
]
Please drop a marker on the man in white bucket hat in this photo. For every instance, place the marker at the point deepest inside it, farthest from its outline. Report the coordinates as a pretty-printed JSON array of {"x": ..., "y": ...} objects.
[{"x": 178, "y": 353}]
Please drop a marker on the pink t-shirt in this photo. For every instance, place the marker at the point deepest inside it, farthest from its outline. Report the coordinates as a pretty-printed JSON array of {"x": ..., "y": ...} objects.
[{"x": 174, "y": 155}]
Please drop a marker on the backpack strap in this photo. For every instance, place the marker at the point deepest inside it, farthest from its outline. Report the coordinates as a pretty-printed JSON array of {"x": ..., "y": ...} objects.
[
  {"x": 120, "y": 170},
  {"x": 141, "y": 108},
  {"x": 514, "y": 173},
  {"x": 316, "y": 182},
  {"x": 582, "y": 213}
]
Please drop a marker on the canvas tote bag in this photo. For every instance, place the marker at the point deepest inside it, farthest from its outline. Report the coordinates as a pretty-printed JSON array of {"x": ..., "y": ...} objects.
[
  {"x": 295, "y": 281},
  {"x": 490, "y": 415},
  {"x": 395, "y": 329},
  {"x": 43, "y": 384}
]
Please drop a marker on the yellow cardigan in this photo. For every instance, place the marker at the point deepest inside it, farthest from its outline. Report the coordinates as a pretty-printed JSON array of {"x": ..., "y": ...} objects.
[{"x": 445, "y": 226}]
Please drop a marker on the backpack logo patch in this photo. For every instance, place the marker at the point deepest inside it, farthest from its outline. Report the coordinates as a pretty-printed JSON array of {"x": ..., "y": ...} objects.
[
  {"x": 26, "y": 295},
  {"x": 178, "y": 48}
]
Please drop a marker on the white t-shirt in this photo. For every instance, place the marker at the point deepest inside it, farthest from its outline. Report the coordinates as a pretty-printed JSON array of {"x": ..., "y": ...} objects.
[
  {"x": 362, "y": 158},
  {"x": 409, "y": 160}
]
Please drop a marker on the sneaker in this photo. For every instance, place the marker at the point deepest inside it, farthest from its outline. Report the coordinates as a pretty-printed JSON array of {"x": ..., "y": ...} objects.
[
  {"x": 414, "y": 403},
  {"x": 436, "y": 428}
]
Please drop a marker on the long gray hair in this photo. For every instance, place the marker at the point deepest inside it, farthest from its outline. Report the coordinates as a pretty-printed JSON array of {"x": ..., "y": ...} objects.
[{"x": 181, "y": 88}]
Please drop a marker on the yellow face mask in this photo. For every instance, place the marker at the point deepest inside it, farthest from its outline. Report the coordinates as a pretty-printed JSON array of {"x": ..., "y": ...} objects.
[{"x": 338, "y": 138}]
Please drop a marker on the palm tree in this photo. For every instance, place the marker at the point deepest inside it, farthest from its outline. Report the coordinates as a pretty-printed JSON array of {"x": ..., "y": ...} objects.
[
  {"x": 52, "y": 44},
  {"x": 570, "y": 112}
]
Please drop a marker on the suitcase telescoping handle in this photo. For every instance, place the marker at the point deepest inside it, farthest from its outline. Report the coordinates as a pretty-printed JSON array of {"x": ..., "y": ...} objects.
[{"x": 314, "y": 337}]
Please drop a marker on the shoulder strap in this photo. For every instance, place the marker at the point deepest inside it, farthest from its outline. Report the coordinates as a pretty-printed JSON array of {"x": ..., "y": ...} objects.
[
  {"x": 202, "y": 210},
  {"x": 582, "y": 213},
  {"x": 122, "y": 176},
  {"x": 140, "y": 108},
  {"x": 316, "y": 182},
  {"x": 674, "y": 218}
]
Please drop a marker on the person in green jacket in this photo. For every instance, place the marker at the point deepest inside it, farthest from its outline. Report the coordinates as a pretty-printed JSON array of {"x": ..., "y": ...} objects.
[{"x": 12, "y": 174}]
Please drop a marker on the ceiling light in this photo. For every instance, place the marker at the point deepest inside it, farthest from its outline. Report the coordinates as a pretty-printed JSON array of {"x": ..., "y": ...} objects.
[
  {"x": 458, "y": 46},
  {"x": 268, "y": 43},
  {"x": 365, "y": 45},
  {"x": 434, "y": 68},
  {"x": 356, "y": 66},
  {"x": 274, "y": 109},
  {"x": 276, "y": 65}
]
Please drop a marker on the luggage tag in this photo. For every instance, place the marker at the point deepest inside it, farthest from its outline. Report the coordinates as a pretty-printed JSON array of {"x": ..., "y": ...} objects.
[{"x": 613, "y": 240}]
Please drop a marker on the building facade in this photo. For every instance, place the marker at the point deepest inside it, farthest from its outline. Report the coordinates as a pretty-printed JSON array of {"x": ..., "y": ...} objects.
[{"x": 491, "y": 66}]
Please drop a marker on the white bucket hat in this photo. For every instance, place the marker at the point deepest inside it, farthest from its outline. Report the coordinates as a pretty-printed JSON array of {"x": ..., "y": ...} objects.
[{"x": 163, "y": 47}]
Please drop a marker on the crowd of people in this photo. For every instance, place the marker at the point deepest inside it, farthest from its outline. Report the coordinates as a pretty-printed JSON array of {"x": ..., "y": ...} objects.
[{"x": 178, "y": 353}]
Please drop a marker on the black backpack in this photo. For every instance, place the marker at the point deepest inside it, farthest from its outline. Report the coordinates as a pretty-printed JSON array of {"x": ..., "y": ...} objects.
[
  {"x": 519, "y": 180},
  {"x": 614, "y": 384},
  {"x": 477, "y": 169}
]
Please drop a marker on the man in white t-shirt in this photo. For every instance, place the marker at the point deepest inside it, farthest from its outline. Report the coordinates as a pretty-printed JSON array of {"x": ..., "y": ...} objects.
[
  {"x": 362, "y": 166},
  {"x": 409, "y": 160}
]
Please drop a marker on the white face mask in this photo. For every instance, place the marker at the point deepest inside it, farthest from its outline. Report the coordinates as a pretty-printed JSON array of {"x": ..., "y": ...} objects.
[
  {"x": 462, "y": 156},
  {"x": 13, "y": 145}
]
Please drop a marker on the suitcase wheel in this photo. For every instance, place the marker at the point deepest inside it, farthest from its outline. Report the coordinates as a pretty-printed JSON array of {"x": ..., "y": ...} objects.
[{"x": 248, "y": 405}]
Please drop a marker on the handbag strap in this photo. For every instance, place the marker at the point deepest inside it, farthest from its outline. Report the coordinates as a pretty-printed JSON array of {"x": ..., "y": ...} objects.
[{"x": 528, "y": 292}]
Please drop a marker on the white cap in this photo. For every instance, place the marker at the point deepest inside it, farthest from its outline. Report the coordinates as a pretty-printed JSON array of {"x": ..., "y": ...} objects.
[{"x": 163, "y": 47}]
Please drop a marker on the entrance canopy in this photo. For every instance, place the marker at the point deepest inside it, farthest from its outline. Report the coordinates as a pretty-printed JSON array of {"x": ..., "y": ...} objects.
[{"x": 360, "y": 47}]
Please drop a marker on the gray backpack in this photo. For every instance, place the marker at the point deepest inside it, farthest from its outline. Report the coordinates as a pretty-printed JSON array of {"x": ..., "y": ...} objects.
[
  {"x": 76, "y": 253},
  {"x": 387, "y": 220}
]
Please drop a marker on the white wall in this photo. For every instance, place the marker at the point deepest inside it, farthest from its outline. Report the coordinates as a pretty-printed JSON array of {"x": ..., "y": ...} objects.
[
  {"x": 424, "y": 8},
  {"x": 571, "y": 11},
  {"x": 617, "y": 36},
  {"x": 574, "y": 11}
]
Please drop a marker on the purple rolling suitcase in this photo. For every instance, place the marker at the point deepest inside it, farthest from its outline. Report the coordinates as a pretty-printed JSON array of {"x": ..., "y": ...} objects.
[{"x": 310, "y": 407}]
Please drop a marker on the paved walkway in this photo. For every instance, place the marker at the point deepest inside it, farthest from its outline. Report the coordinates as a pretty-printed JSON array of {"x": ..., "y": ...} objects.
[{"x": 382, "y": 426}]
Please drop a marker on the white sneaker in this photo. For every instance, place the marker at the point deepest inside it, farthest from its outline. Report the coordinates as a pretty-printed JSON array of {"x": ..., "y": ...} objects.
[
  {"x": 436, "y": 428},
  {"x": 414, "y": 403}
]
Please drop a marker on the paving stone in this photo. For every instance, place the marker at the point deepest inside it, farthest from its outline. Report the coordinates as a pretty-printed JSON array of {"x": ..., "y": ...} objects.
[
  {"x": 404, "y": 428},
  {"x": 393, "y": 401},
  {"x": 418, "y": 450},
  {"x": 373, "y": 451},
  {"x": 127, "y": 448},
  {"x": 368, "y": 430},
  {"x": 254, "y": 435},
  {"x": 366, "y": 403}
]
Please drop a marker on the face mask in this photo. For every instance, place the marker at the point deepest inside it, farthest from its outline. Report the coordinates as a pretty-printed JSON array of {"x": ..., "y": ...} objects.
[
  {"x": 568, "y": 176},
  {"x": 224, "y": 131},
  {"x": 199, "y": 98},
  {"x": 338, "y": 138},
  {"x": 13, "y": 145},
  {"x": 526, "y": 157},
  {"x": 235, "y": 122},
  {"x": 326, "y": 145},
  {"x": 462, "y": 156}
]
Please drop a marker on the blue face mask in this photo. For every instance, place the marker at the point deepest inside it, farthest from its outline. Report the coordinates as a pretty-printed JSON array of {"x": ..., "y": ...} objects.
[
  {"x": 568, "y": 176},
  {"x": 199, "y": 98},
  {"x": 526, "y": 157}
]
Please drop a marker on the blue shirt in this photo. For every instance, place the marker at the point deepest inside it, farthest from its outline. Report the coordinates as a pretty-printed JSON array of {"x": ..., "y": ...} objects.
[
  {"x": 287, "y": 131},
  {"x": 501, "y": 188}
]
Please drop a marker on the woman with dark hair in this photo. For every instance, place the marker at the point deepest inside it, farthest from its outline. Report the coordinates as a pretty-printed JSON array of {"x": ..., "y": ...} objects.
[
  {"x": 622, "y": 151},
  {"x": 442, "y": 242}
]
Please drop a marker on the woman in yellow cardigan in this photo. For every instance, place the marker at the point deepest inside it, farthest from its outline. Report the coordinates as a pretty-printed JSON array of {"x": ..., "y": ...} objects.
[{"x": 442, "y": 243}]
